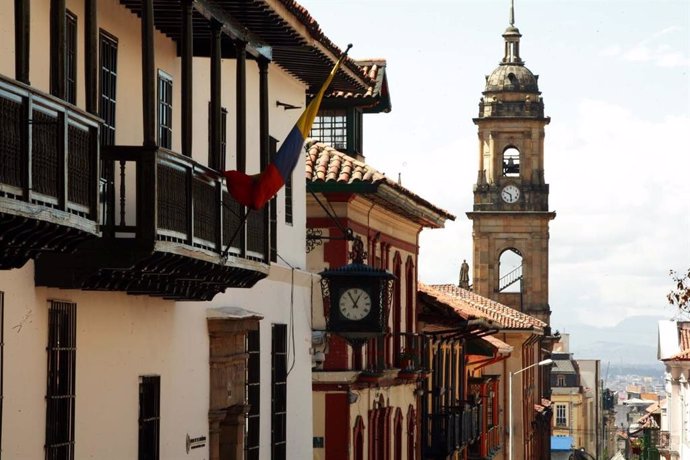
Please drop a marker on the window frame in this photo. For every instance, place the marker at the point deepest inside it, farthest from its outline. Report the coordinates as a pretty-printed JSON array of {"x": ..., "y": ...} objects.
[
  {"x": 71, "y": 34},
  {"x": 330, "y": 127},
  {"x": 561, "y": 420},
  {"x": 164, "y": 112},
  {"x": 149, "y": 423},
  {"x": 252, "y": 431},
  {"x": 61, "y": 352},
  {"x": 107, "y": 102},
  {"x": 278, "y": 391}
]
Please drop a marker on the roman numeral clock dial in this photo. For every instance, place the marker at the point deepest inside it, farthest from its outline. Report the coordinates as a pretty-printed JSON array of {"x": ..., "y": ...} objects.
[{"x": 354, "y": 304}]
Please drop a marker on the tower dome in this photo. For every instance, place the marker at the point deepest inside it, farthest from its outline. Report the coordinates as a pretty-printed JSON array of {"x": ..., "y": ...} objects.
[{"x": 511, "y": 74}]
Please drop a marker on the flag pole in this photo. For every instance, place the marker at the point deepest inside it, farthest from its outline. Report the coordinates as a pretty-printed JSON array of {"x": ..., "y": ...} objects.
[{"x": 246, "y": 181}]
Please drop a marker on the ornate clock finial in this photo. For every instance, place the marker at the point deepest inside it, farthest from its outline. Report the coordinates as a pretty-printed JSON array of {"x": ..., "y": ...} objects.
[
  {"x": 357, "y": 255},
  {"x": 512, "y": 12}
]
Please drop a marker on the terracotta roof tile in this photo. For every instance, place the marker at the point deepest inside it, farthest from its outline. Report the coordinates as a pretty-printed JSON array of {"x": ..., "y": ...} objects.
[
  {"x": 324, "y": 165},
  {"x": 500, "y": 345},
  {"x": 469, "y": 303}
]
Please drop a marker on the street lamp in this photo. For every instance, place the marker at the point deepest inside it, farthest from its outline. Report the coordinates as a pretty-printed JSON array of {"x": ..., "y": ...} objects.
[{"x": 545, "y": 362}]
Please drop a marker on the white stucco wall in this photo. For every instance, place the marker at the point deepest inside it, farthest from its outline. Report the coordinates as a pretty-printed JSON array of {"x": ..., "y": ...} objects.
[
  {"x": 119, "y": 338},
  {"x": 283, "y": 298},
  {"x": 122, "y": 337}
]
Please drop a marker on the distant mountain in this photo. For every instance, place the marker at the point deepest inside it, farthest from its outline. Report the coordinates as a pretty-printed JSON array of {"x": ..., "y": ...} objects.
[{"x": 630, "y": 343}]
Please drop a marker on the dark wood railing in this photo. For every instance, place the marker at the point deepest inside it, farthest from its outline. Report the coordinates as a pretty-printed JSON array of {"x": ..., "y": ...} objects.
[
  {"x": 175, "y": 199},
  {"x": 49, "y": 153},
  {"x": 451, "y": 429}
]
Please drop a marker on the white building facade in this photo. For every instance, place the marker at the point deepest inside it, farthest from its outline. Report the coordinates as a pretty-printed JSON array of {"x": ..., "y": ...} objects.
[{"x": 142, "y": 315}]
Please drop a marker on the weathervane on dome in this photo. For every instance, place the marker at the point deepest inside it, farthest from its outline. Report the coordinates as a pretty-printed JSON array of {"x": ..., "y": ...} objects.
[{"x": 512, "y": 12}]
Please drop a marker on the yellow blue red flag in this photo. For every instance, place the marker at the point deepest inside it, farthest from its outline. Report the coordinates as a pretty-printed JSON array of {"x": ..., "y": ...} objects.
[{"x": 254, "y": 191}]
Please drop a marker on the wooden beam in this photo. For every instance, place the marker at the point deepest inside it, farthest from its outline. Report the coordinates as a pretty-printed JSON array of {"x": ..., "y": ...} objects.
[
  {"x": 233, "y": 29},
  {"x": 187, "y": 76},
  {"x": 57, "y": 48},
  {"x": 241, "y": 106},
  {"x": 91, "y": 55},
  {"x": 148, "y": 74},
  {"x": 215, "y": 116},
  {"x": 22, "y": 20}
]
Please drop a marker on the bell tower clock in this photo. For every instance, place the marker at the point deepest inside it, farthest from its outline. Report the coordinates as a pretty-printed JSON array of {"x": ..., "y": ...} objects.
[{"x": 510, "y": 215}]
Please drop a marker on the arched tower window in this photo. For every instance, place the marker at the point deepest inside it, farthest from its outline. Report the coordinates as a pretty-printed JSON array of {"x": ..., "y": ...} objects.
[
  {"x": 510, "y": 271},
  {"x": 511, "y": 162}
]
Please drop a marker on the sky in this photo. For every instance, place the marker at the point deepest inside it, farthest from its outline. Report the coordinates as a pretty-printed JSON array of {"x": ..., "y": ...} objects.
[{"x": 614, "y": 75}]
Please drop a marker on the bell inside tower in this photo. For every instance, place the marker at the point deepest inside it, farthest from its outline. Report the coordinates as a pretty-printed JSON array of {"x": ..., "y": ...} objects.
[{"x": 511, "y": 162}]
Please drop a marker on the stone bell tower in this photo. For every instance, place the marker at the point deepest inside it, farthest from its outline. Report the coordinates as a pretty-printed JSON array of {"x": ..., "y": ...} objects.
[{"x": 510, "y": 213}]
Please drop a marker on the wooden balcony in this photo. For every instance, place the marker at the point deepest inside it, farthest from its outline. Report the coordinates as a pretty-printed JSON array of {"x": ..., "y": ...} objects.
[
  {"x": 168, "y": 221},
  {"x": 451, "y": 429},
  {"x": 48, "y": 174}
]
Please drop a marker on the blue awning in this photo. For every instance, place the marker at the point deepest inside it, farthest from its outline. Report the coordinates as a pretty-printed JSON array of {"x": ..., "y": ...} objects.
[{"x": 561, "y": 443}]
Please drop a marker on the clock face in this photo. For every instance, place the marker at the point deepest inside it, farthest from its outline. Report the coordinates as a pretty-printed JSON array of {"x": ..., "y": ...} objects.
[
  {"x": 355, "y": 304},
  {"x": 510, "y": 193}
]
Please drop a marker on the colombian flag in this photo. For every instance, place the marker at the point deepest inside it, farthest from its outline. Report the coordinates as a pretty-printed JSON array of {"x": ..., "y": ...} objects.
[{"x": 255, "y": 191}]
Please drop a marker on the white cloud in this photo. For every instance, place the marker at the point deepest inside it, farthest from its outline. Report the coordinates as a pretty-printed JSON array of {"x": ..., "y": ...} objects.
[
  {"x": 651, "y": 50},
  {"x": 619, "y": 184}
]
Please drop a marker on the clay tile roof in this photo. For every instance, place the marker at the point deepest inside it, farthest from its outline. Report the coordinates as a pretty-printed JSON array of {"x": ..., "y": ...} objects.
[
  {"x": 467, "y": 302},
  {"x": 684, "y": 355},
  {"x": 500, "y": 345},
  {"x": 376, "y": 98},
  {"x": 325, "y": 166}
]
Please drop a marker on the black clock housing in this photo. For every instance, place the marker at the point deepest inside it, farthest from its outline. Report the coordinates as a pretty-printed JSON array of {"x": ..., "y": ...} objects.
[{"x": 376, "y": 282}]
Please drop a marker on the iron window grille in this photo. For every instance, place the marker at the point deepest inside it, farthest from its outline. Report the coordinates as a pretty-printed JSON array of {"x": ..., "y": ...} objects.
[
  {"x": 165, "y": 102},
  {"x": 149, "y": 417},
  {"x": 330, "y": 127},
  {"x": 62, "y": 350},
  {"x": 71, "y": 57},
  {"x": 252, "y": 395},
  {"x": 278, "y": 391}
]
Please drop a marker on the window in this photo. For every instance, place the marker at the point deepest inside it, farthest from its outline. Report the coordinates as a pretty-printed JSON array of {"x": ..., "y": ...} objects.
[
  {"x": 149, "y": 417},
  {"x": 511, "y": 162},
  {"x": 2, "y": 351},
  {"x": 397, "y": 307},
  {"x": 411, "y": 433},
  {"x": 252, "y": 396},
  {"x": 108, "y": 85},
  {"x": 560, "y": 380},
  {"x": 71, "y": 58},
  {"x": 288, "y": 199},
  {"x": 273, "y": 208},
  {"x": 278, "y": 391},
  {"x": 560, "y": 415},
  {"x": 330, "y": 127},
  {"x": 397, "y": 434},
  {"x": 165, "y": 84},
  {"x": 358, "y": 439},
  {"x": 218, "y": 163},
  {"x": 62, "y": 350},
  {"x": 510, "y": 271}
]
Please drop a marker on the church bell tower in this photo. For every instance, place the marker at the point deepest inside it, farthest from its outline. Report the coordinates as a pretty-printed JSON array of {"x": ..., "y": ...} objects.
[{"x": 510, "y": 214}]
